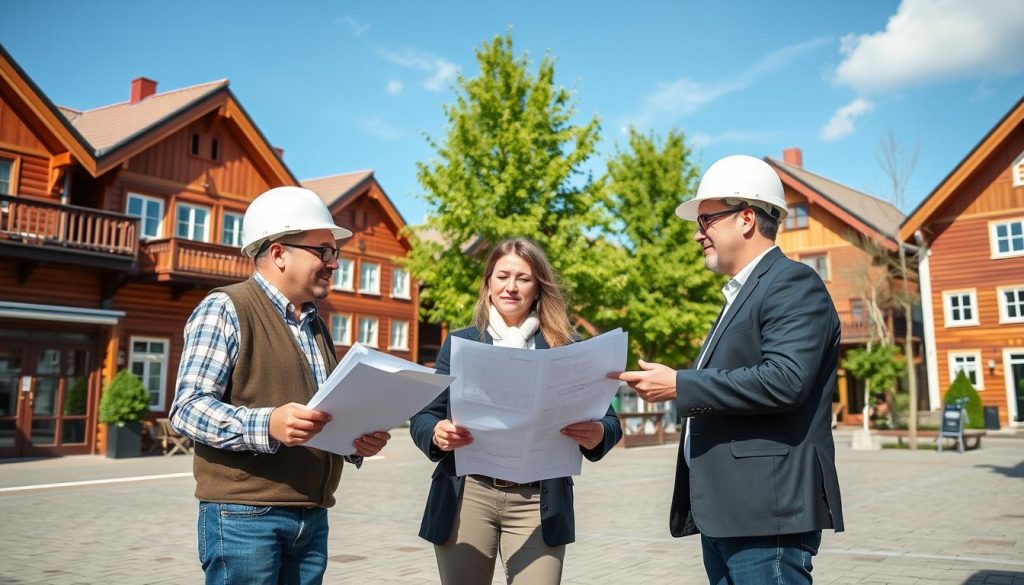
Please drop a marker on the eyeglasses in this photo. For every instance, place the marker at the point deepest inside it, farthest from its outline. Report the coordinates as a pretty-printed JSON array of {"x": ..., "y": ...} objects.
[
  {"x": 705, "y": 220},
  {"x": 326, "y": 253}
]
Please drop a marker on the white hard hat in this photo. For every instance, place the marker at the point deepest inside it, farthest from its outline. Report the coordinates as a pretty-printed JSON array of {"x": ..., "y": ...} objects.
[
  {"x": 282, "y": 211},
  {"x": 739, "y": 177}
]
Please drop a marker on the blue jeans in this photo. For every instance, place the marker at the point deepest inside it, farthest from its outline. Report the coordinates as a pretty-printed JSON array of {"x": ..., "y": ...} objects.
[
  {"x": 760, "y": 560},
  {"x": 262, "y": 544}
]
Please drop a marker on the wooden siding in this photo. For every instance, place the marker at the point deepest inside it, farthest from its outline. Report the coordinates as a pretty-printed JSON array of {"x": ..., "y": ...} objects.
[
  {"x": 961, "y": 260},
  {"x": 232, "y": 176},
  {"x": 67, "y": 285},
  {"x": 31, "y": 168}
]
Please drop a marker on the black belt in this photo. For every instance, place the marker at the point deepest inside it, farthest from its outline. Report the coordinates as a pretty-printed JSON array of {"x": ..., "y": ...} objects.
[{"x": 504, "y": 483}]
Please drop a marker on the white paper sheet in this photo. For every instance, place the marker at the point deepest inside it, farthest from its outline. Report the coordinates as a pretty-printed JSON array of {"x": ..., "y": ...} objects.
[
  {"x": 516, "y": 401},
  {"x": 371, "y": 391}
]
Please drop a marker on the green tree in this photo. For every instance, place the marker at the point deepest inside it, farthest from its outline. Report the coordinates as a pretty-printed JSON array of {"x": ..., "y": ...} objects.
[
  {"x": 510, "y": 165},
  {"x": 880, "y": 367},
  {"x": 661, "y": 292}
]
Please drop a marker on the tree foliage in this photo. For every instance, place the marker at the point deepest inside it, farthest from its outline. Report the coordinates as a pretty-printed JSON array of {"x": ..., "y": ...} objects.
[
  {"x": 661, "y": 292},
  {"x": 510, "y": 165},
  {"x": 881, "y": 366}
]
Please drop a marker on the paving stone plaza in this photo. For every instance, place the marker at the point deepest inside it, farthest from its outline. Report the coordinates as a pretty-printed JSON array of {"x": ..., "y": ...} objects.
[{"x": 911, "y": 517}]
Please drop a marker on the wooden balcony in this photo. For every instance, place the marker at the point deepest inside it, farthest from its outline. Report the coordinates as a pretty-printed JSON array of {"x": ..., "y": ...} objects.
[
  {"x": 855, "y": 328},
  {"x": 37, "y": 230},
  {"x": 188, "y": 262}
]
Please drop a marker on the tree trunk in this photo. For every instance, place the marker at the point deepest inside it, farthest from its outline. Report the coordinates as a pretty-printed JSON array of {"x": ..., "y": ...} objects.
[{"x": 908, "y": 353}]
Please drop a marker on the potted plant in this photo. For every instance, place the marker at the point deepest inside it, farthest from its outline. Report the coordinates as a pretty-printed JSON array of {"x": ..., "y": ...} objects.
[{"x": 125, "y": 403}]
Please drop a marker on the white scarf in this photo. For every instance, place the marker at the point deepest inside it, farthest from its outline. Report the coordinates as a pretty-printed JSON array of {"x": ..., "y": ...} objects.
[{"x": 510, "y": 335}]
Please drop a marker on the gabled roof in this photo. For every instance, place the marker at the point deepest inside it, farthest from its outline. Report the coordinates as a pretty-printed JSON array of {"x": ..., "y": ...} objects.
[
  {"x": 338, "y": 191},
  {"x": 109, "y": 127},
  {"x": 863, "y": 212},
  {"x": 968, "y": 167},
  {"x": 46, "y": 117}
]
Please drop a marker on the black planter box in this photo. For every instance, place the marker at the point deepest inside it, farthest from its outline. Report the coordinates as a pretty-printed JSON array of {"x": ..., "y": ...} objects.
[{"x": 124, "y": 441}]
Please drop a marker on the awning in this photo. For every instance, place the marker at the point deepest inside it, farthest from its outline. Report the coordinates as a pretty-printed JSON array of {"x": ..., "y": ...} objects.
[{"x": 36, "y": 312}]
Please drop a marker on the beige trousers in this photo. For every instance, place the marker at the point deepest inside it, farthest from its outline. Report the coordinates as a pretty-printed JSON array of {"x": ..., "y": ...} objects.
[{"x": 492, "y": 521}]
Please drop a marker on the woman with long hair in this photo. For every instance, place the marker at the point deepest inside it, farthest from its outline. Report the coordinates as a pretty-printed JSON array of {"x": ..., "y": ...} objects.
[{"x": 473, "y": 519}]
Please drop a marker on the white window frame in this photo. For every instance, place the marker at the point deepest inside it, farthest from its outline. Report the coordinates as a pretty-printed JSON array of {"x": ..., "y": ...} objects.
[
  {"x": 1011, "y": 400},
  {"x": 404, "y": 325},
  {"x": 236, "y": 240},
  {"x": 400, "y": 293},
  {"x": 1004, "y": 312},
  {"x": 146, "y": 359},
  {"x": 192, "y": 207},
  {"x": 375, "y": 341},
  {"x": 142, "y": 218},
  {"x": 994, "y": 241},
  {"x": 828, "y": 264},
  {"x": 374, "y": 287},
  {"x": 347, "y": 283},
  {"x": 947, "y": 307},
  {"x": 1018, "y": 171},
  {"x": 339, "y": 339},
  {"x": 979, "y": 371}
]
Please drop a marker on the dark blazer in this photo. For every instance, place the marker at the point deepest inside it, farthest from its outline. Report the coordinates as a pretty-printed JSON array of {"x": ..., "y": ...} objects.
[
  {"x": 556, "y": 513},
  {"x": 761, "y": 452}
]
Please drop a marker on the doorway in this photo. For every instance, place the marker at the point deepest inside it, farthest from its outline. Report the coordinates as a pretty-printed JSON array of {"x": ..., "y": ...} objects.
[
  {"x": 46, "y": 402},
  {"x": 1014, "y": 363}
]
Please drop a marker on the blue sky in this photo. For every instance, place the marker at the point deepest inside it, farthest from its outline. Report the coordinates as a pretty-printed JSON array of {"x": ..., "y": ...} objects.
[{"x": 344, "y": 86}]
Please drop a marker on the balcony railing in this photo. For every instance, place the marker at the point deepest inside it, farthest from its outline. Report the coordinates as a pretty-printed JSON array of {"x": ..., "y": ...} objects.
[
  {"x": 854, "y": 327},
  {"x": 46, "y": 224},
  {"x": 176, "y": 259}
]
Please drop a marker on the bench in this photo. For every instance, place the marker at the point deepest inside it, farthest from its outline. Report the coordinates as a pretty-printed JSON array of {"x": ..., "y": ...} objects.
[{"x": 972, "y": 437}]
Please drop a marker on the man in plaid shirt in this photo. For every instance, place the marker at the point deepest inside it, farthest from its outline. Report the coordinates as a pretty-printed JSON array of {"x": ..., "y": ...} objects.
[{"x": 254, "y": 353}]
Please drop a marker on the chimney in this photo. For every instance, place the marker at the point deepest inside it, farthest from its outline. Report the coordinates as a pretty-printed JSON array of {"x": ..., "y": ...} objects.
[
  {"x": 142, "y": 88},
  {"x": 793, "y": 156},
  {"x": 279, "y": 151}
]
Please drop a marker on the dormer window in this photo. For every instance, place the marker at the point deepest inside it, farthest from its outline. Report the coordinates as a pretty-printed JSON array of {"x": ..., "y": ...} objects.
[
  {"x": 195, "y": 145},
  {"x": 213, "y": 149}
]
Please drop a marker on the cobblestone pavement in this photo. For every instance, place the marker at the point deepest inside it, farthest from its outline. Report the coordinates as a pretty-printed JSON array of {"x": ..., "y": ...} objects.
[{"x": 911, "y": 517}]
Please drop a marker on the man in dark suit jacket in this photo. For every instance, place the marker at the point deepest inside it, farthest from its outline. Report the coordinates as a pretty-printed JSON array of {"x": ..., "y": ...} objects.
[{"x": 756, "y": 472}]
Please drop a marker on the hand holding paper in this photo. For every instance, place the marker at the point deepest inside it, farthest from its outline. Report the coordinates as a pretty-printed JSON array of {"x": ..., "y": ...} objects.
[{"x": 369, "y": 392}]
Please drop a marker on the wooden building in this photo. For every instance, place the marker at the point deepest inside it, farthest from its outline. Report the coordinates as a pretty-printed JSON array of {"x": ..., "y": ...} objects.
[
  {"x": 827, "y": 228},
  {"x": 114, "y": 223},
  {"x": 373, "y": 299},
  {"x": 972, "y": 279}
]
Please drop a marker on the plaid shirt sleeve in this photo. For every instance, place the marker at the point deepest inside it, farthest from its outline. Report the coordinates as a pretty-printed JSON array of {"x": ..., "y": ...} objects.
[{"x": 210, "y": 352}]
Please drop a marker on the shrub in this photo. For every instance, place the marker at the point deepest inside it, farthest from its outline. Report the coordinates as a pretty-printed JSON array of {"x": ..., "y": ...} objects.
[
  {"x": 962, "y": 388},
  {"x": 125, "y": 400}
]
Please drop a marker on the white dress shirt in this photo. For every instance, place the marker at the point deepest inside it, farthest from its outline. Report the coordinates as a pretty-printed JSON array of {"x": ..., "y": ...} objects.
[{"x": 730, "y": 291}]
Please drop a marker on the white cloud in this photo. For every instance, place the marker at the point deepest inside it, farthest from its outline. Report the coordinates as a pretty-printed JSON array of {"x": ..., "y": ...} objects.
[
  {"x": 394, "y": 87},
  {"x": 357, "y": 28},
  {"x": 842, "y": 121},
  {"x": 934, "y": 40},
  {"x": 440, "y": 71},
  {"x": 377, "y": 127},
  {"x": 672, "y": 100}
]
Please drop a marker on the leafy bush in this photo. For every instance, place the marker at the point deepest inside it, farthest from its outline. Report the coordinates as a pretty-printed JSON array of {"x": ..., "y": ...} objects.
[
  {"x": 962, "y": 388},
  {"x": 881, "y": 365},
  {"x": 125, "y": 400}
]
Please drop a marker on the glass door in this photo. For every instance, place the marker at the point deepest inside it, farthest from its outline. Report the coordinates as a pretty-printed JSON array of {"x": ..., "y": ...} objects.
[
  {"x": 10, "y": 399},
  {"x": 1015, "y": 365},
  {"x": 55, "y": 418}
]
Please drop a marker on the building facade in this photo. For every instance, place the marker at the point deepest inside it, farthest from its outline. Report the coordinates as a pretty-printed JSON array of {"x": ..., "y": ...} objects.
[
  {"x": 972, "y": 277},
  {"x": 114, "y": 223}
]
